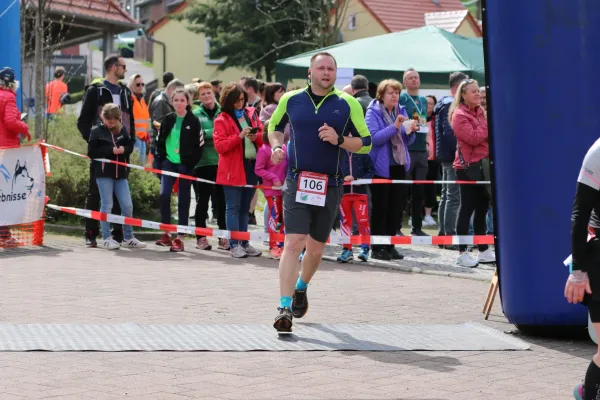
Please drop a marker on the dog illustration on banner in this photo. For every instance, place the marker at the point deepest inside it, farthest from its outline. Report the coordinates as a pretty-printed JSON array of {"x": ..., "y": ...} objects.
[
  {"x": 22, "y": 182},
  {"x": 21, "y": 179}
]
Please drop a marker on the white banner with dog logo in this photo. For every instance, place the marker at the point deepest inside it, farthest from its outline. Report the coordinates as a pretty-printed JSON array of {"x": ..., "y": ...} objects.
[{"x": 22, "y": 185}]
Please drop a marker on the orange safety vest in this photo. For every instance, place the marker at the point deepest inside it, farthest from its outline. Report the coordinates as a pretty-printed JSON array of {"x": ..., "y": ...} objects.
[{"x": 141, "y": 116}]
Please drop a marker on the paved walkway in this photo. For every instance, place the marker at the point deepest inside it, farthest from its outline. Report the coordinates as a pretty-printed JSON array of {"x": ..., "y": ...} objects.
[{"x": 66, "y": 283}]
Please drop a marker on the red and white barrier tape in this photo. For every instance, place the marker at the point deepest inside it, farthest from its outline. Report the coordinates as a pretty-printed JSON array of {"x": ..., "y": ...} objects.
[
  {"x": 193, "y": 178},
  {"x": 263, "y": 236}
]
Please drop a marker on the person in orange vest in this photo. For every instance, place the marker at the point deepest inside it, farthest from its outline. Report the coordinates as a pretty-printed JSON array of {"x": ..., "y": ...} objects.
[
  {"x": 141, "y": 116},
  {"x": 54, "y": 91}
]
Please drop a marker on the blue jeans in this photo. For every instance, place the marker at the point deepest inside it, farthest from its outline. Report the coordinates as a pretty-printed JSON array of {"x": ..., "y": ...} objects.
[
  {"x": 237, "y": 200},
  {"x": 166, "y": 188},
  {"x": 141, "y": 146},
  {"x": 448, "y": 210},
  {"x": 489, "y": 220},
  {"x": 120, "y": 187}
]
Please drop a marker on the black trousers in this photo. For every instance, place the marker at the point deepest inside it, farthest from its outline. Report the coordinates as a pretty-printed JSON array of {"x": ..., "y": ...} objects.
[
  {"x": 473, "y": 198},
  {"x": 203, "y": 193},
  {"x": 388, "y": 202},
  {"x": 92, "y": 202}
]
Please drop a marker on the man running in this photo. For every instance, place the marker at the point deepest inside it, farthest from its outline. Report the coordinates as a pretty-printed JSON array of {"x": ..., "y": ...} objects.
[{"x": 321, "y": 119}]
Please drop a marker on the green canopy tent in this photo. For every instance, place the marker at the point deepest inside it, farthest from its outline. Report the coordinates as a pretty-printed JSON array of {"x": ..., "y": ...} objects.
[{"x": 434, "y": 52}]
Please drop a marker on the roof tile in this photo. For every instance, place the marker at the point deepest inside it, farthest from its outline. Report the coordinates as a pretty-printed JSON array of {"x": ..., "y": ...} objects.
[
  {"x": 399, "y": 15},
  {"x": 106, "y": 10},
  {"x": 448, "y": 20}
]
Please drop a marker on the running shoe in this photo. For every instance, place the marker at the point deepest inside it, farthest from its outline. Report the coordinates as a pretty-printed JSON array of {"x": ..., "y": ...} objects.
[
  {"x": 177, "y": 246},
  {"x": 202, "y": 244},
  {"x": 283, "y": 320},
  {"x": 345, "y": 256},
  {"x": 165, "y": 240},
  {"x": 364, "y": 254},
  {"x": 579, "y": 392},
  {"x": 299, "y": 303}
]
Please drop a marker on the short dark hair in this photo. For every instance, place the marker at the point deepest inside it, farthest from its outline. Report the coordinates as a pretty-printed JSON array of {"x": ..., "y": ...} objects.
[
  {"x": 359, "y": 82},
  {"x": 110, "y": 61},
  {"x": 270, "y": 91},
  {"x": 456, "y": 78},
  {"x": 432, "y": 97},
  {"x": 215, "y": 82},
  {"x": 58, "y": 72},
  {"x": 322, "y": 53},
  {"x": 230, "y": 95},
  {"x": 250, "y": 82},
  {"x": 167, "y": 78}
]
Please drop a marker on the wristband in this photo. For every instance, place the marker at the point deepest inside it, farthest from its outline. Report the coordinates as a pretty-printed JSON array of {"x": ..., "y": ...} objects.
[{"x": 578, "y": 277}]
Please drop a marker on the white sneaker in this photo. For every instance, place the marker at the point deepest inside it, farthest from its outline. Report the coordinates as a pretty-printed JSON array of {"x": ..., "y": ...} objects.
[
  {"x": 429, "y": 221},
  {"x": 110, "y": 244},
  {"x": 487, "y": 257},
  {"x": 238, "y": 252},
  {"x": 466, "y": 260},
  {"x": 133, "y": 243}
]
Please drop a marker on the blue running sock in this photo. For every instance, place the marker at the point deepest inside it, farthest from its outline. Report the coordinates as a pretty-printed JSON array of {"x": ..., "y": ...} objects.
[
  {"x": 285, "y": 301},
  {"x": 300, "y": 284}
]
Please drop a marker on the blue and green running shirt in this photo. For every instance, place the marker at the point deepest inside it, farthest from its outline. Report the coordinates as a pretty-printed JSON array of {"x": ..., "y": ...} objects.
[{"x": 306, "y": 151}]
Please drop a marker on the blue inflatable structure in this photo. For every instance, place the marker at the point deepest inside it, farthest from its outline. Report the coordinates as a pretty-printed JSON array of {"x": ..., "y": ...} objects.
[
  {"x": 541, "y": 61},
  {"x": 10, "y": 32}
]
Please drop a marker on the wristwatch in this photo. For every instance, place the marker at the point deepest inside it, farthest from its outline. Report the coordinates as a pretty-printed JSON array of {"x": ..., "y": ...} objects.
[{"x": 340, "y": 140}]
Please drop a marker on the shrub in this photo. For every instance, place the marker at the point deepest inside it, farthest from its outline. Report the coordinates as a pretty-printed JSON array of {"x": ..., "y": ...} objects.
[{"x": 68, "y": 185}]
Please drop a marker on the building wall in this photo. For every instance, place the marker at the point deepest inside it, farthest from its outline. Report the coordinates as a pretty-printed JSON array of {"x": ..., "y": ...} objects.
[
  {"x": 185, "y": 55},
  {"x": 366, "y": 24},
  {"x": 467, "y": 30}
]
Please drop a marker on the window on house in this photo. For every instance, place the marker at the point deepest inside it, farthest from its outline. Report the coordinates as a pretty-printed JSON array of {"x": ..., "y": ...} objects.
[
  {"x": 207, "y": 57},
  {"x": 352, "y": 22}
]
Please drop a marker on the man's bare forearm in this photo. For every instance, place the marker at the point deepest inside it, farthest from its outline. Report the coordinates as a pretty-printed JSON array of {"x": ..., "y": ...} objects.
[
  {"x": 276, "y": 139},
  {"x": 352, "y": 144}
]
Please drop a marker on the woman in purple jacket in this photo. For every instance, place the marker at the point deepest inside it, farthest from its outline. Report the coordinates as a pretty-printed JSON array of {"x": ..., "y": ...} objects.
[{"x": 391, "y": 131}]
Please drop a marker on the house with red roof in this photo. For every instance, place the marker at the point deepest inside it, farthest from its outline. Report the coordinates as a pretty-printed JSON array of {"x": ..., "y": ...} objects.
[{"x": 367, "y": 18}]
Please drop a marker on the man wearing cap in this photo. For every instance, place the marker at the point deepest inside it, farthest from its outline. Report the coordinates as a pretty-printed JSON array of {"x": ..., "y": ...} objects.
[{"x": 99, "y": 93}]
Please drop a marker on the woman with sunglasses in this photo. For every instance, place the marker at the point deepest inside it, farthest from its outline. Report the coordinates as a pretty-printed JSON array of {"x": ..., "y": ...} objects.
[
  {"x": 237, "y": 137},
  {"x": 469, "y": 123},
  {"x": 141, "y": 116}
]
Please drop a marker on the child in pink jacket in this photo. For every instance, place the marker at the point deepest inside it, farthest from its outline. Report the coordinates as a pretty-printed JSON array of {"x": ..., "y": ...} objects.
[{"x": 272, "y": 175}]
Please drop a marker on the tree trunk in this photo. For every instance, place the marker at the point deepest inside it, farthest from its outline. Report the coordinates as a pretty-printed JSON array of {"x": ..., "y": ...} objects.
[
  {"x": 39, "y": 70},
  {"x": 269, "y": 74}
]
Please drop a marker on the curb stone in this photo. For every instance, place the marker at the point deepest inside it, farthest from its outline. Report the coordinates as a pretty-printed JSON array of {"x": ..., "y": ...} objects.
[{"x": 413, "y": 270}]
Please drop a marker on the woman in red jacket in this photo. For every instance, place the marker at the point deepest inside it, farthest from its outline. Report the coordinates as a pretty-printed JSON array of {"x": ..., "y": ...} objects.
[
  {"x": 469, "y": 122},
  {"x": 11, "y": 127},
  {"x": 237, "y": 138}
]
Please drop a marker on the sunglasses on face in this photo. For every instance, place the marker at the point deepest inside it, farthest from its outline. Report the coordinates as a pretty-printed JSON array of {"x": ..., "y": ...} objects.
[{"x": 140, "y": 84}]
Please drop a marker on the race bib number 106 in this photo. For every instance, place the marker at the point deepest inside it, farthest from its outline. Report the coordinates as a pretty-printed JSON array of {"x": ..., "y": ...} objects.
[{"x": 312, "y": 189}]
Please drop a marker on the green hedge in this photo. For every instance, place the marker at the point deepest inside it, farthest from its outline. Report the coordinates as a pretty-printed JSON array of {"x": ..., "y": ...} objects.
[{"x": 68, "y": 184}]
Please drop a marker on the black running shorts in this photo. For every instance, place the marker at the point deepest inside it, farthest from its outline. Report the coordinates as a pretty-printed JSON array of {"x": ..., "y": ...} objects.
[{"x": 305, "y": 219}]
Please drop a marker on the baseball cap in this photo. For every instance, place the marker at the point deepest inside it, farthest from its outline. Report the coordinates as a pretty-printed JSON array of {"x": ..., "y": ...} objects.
[{"x": 7, "y": 74}]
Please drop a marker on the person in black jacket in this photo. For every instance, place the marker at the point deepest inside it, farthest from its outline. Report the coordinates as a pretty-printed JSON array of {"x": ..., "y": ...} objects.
[
  {"x": 99, "y": 93},
  {"x": 360, "y": 89},
  {"x": 179, "y": 148},
  {"x": 111, "y": 140},
  {"x": 445, "y": 152}
]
